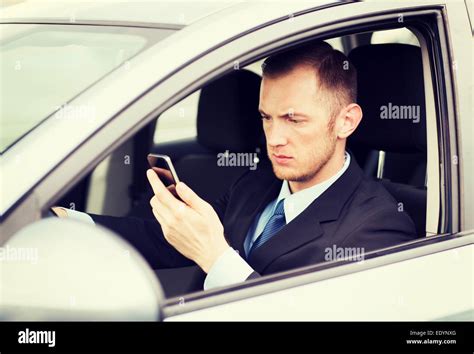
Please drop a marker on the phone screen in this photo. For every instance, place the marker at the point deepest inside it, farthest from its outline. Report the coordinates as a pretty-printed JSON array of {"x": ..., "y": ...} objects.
[{"x": 161, "y": 166}]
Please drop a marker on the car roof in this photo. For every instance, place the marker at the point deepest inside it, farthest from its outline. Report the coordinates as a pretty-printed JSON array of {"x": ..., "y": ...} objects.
[
  {"x": 143, "y": 13},
  {"x": 121, "y": 13}
]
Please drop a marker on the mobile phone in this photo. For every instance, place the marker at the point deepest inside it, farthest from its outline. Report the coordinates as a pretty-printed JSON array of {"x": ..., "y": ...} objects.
[{"x": 164, "y": 168}]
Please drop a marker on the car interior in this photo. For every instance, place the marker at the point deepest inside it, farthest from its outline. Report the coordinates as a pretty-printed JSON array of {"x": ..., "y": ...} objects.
[{"x": 227, "y": 118}]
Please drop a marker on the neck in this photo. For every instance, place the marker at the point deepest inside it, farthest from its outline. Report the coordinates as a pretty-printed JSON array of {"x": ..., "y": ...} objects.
[{"x": 333, "y": 166}]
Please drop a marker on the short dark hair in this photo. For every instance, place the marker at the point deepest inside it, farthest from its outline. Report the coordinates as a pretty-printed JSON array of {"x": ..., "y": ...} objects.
[{"x": 335, "y": 73}]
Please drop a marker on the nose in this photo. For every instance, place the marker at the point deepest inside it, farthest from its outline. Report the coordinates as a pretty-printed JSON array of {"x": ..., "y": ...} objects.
[{"x": 275, "y": 133}]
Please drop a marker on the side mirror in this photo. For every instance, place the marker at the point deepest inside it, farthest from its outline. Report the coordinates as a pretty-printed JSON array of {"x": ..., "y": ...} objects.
[{"x": 66, "y": 270}]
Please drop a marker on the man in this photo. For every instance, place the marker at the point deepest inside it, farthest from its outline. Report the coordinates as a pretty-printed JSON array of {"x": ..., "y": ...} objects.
[{"x": 311, "y": 198}]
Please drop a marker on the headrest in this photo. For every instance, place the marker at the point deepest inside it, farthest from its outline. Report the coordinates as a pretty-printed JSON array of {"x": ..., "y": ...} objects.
[
  {"x": 228, "y": 117},
  {"x": 392, "y": 96}
]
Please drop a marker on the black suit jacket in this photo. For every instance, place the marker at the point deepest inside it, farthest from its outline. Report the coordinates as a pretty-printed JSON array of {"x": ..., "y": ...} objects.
[{"x": 353, "y": 212}]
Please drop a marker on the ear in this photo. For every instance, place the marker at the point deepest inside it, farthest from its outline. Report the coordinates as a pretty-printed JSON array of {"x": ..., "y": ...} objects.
[{"x": 349, "y": 120}]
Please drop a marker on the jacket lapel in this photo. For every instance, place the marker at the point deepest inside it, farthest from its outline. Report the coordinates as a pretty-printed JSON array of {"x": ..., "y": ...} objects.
[{"x": 306, "y": 227}]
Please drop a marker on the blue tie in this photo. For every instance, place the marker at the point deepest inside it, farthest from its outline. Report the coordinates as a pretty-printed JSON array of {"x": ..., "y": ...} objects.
[{"x": 276, "y": 222}]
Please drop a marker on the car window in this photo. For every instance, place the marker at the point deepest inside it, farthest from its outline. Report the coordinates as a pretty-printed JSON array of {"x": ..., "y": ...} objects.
[
  {"x": 336, "y": 43},
  {"x": 256, "y": 66},
  {"x": 179, "y": 121},
  {"x": 45, "y": 66},
  {"x": 399, "y": 35}
]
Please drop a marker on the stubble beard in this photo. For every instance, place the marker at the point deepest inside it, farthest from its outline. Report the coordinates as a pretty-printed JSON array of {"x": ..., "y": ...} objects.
[{"x": 318, "y": 160}]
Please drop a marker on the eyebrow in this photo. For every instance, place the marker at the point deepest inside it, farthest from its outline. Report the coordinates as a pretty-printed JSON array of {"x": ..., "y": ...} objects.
[{"x": 300, "y": 114}]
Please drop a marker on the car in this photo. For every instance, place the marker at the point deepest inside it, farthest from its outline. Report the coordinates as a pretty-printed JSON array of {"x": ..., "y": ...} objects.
[{"x": 89, "y": 89}]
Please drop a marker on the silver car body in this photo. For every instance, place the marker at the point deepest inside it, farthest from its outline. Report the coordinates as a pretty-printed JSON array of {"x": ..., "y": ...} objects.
[{"x": 425, "y": 283}]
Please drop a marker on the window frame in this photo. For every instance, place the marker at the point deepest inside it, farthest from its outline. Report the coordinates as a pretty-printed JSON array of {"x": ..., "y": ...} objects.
[{"x": 436, "y": 57}]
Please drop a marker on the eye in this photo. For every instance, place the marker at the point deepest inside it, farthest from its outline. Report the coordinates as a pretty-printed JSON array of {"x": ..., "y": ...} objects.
[
  {"x": 264, "y": 117},
  {"x": 292, "y": 120}
]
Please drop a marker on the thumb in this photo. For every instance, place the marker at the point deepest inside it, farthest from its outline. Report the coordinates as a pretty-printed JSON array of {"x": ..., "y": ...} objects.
[{"x": 188, "y": 196}]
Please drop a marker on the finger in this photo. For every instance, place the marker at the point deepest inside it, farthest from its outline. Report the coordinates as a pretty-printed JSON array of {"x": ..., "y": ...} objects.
[
  {"x": 192, "y": 199},
  {"x": 172, "y": 189},
  {"x": 173, "y": 218},
  {"x": 164, "y": 173},
  {"x": 159, "y": 209},
  {"x": 161, "y": 192},
  {"x": 161, "y": 221}
]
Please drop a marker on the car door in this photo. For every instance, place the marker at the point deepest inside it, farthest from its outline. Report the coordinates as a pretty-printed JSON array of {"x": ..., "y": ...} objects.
[
  {"x": 395, "y": 284},
  {"x": 256, "y": 36}
]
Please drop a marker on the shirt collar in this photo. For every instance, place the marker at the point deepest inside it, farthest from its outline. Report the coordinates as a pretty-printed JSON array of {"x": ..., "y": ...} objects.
[{"x": 295, "y": 203}]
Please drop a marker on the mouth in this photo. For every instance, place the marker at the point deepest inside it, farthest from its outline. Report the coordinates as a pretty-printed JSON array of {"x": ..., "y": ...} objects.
[{"x": 282, "y": 159}]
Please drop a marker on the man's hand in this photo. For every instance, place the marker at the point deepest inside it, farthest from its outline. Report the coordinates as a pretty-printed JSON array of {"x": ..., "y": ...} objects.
[
  {"x": 192, "y": 227},
  {"x": 60, "y": 212}
]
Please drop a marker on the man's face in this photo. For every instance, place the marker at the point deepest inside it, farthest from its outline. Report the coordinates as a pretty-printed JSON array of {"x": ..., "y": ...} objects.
[{"x": 296, "y": 120}]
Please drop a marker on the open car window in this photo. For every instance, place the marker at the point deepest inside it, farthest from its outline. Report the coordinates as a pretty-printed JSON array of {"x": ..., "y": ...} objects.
[{"x": 187, "y": 133}]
